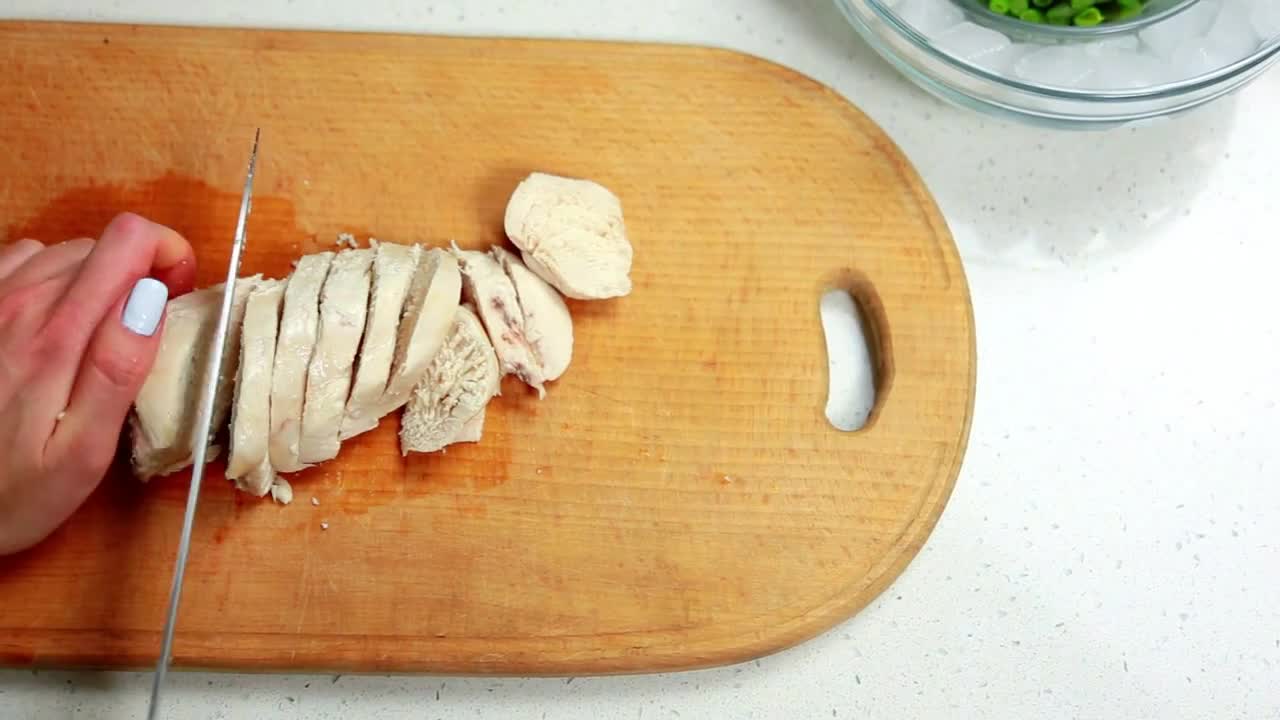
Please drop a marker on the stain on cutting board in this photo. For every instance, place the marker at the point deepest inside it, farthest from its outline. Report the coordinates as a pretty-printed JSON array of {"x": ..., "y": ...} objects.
[{"x": 203, "y": 214}]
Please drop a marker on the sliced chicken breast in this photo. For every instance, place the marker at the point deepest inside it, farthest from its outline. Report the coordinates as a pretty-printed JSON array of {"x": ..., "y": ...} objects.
[
  {"x": 248, "y": 463},
  {"x": 344, "y": 305},
  {"x": 462, "y": 378},
  {"x": 488, "y": 288},
  {"x": 571, "y": 233},
  {"x": 166, "y": 409},
  {"x": 548, "y": 326},
  {"x": 471, "y": 430},
  {"x": 429, "y": 313},
  {"x": 299, "y": 323},
  {"x": 393, "y": 270},
  {"x": 163, "y": 414}
]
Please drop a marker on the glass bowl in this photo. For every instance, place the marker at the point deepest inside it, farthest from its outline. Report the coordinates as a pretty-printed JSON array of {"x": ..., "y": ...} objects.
[{"x": 1173, "y": 59}]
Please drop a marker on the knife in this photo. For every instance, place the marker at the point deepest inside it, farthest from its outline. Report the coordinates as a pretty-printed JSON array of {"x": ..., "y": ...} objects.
[{"x": 203, "y": 432}]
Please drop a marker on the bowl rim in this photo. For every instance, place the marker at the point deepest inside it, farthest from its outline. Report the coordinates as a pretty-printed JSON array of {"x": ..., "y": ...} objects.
[
  {"x": 885, "y": 13},
  {"x": 1055, "y": 119}
]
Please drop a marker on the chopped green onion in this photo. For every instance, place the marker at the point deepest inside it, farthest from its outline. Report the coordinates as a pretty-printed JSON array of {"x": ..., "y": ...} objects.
[
  {"x": 1031, "y": 15},
  {"x": 1081, "y": 5},
  {"x": 1017, "y": 7},
  {"x": 999, "y": 6}
]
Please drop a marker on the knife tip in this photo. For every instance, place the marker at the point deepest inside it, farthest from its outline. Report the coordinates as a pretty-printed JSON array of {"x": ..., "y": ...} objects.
[{"x": 253, "y": 155}]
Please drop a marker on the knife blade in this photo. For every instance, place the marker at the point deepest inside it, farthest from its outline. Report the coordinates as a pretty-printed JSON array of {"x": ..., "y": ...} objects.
[{"x": 202, "y": 434}]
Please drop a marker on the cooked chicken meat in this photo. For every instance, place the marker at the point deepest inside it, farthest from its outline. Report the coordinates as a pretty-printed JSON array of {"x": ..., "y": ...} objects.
[
  {"x": 433, "y": 300},
  {"x": 165, "y": 411},
  {"x": 351, "y": 336},
  {"x": 571, "y": 233},
  {"x": 299, "y": 324},
  {"x": 459, "y": 383},
  {"x": 548, "y": 326},
  {"x": 248, "y": 462},
  {"x": 471, "y": 430},
  {"x": 344, "y": 303},
  {"x": 490, "y": 291},
  {"x": 393, "y": 270}
]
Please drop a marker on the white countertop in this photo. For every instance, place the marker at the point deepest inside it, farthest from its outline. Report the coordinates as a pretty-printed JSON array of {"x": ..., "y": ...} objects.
[{"x": 1112, "y": 548}]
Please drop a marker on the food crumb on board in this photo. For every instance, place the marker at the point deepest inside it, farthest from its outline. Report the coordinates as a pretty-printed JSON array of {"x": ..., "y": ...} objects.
[
  {"x": 315, "y": 502},
  {"x": 324, "y": 525},
  {"x": 60, "y": 416},
  {"x": 282, "y": 491},
  {"x": 347, "y": 240}
]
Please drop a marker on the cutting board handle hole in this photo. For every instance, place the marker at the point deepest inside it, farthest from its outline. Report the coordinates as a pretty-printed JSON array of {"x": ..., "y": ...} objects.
[{"x": 859, "y": 365}]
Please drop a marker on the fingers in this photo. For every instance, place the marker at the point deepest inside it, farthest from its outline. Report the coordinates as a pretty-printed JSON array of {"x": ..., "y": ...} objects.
[
  {"x": 80, "y": 326},
  {"x": 178, "y": 275},
  {"x": 12, "y": 256},
  {"x": 49, "y": 262},
  {"x": 115, "y": 366},
  {"x": 174, "y": 263},
  {"x": 131, "y": 248},
  {"x": 127, "y": 252},
  {"x": 22, "y": 312}
]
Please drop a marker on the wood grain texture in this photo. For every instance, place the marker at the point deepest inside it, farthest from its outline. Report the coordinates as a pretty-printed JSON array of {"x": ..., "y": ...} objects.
[{"x": 678, "y": 500}]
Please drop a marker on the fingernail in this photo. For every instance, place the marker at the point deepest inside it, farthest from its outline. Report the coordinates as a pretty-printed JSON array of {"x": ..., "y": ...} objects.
[{"x": 145, "y": 306}]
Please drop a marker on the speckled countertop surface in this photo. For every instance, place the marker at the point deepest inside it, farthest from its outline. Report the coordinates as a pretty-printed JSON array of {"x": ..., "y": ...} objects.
[{"x": 1112, "y": 548}]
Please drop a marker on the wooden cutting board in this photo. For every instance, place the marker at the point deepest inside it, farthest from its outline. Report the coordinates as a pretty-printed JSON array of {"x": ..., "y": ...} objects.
[{"x": 678, "y": 499}]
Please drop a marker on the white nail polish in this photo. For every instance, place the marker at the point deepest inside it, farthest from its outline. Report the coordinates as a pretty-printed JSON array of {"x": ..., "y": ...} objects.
[{"x": 145, "y": 306}]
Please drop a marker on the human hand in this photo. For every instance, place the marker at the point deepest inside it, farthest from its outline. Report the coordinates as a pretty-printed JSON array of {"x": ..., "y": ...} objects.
[{"x": 80, "y": 323}]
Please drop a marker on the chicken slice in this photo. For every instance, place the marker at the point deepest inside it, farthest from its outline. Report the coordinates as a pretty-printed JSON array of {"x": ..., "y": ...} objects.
[
  {"x": 462, "y": 378},
  {"x": 299, "y": 323},
  {"x": 548, "y": 326},
  {"x": 163, "y": 413},
  {"x": 167, "y": 406},
  {"x": 248, "y": 463},
  {"x": 231, "y": 350},
  {"x": 489, "y": 289},
  {"x": 471, "y": 430},
  {"x": 571, "y": 233},
  {"x": 393, "y": 267},
  {"x": 344, "y": 304},
  {"x": 429, "y": 313}
]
